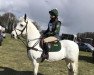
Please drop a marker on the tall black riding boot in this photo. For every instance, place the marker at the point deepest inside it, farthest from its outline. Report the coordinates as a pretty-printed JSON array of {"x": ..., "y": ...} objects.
[{"x": 45, "y": 52}]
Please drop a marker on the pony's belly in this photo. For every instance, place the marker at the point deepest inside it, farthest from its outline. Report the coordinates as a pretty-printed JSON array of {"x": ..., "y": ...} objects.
[{"x": 55, "y": 56}]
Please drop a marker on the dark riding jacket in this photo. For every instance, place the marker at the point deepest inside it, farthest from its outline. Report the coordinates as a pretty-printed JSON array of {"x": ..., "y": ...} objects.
[{"x": 53, "y": 28}]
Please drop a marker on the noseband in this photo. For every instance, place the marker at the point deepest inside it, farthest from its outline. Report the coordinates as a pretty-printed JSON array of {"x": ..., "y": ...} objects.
[{"x": 22, "y": 29}]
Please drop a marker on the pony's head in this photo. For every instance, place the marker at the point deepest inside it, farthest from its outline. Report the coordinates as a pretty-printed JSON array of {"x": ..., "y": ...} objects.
[{"x": 22, "y": 25}]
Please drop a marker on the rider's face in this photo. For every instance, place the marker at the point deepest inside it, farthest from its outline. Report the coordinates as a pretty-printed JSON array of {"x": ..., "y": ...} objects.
[{"x": 52, "y": 16}]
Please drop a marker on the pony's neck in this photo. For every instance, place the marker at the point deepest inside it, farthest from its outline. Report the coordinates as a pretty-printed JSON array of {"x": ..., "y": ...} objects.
[{"x": 32, "y": 31}]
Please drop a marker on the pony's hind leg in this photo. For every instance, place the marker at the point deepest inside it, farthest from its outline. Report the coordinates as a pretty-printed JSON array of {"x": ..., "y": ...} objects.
[
  {"x": 72, "y": 67},
  {"x": 36, "y": 65}
]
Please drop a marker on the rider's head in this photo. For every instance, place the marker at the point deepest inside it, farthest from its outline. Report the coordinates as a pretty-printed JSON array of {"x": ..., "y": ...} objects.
[{"x": 54, "y": 12}]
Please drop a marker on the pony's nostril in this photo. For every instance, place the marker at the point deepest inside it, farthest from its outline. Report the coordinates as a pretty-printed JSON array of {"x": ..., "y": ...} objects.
[{"x": 12, "y": 34}]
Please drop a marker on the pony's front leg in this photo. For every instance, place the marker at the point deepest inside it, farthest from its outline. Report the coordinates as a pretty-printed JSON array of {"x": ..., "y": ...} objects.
[{"x": 36, "y": 65}]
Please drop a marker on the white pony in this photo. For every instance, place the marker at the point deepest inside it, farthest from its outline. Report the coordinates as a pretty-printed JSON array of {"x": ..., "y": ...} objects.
[
  {"x": 2, "y": 29},
  {"x": 69, "y": 50}
]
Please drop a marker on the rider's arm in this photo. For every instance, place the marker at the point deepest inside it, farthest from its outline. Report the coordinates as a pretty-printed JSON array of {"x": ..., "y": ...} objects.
[
  {"x": 46, "y": 31},
  {"x": 58, "y": 25}
]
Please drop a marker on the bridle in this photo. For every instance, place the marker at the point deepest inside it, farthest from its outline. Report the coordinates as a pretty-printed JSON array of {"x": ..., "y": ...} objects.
[
  {"x": 22, "y": 29},
  {"x": 27, "y": 41}
]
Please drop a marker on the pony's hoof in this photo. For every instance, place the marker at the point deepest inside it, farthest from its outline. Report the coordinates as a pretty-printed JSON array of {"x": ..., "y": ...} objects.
[{"x": 44, "y": 56}]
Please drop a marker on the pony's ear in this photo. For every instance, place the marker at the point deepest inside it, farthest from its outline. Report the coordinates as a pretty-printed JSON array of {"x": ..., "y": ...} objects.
[{"x": 25, "y": 17}]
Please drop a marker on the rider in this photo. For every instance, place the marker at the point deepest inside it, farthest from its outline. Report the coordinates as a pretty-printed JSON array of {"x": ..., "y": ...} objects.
[{"x": 52, "y": 32}]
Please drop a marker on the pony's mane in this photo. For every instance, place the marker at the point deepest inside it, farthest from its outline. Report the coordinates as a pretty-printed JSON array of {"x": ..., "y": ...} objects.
[{"x": 37, "y": 26}]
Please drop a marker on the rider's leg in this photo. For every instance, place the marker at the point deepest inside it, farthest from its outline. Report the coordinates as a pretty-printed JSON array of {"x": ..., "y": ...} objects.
[{"x": 45, "y": 52}]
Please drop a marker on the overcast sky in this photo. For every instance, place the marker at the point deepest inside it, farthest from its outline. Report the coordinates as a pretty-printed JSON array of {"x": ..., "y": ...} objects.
[{"x": 76, "y": 15}]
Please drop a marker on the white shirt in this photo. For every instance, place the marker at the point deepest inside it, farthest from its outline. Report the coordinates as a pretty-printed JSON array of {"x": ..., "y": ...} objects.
[{"x": 0, "y": 27}]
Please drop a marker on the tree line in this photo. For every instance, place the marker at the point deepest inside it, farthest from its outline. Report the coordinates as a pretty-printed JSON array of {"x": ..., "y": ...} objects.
[
  {"x": 8, "y": 21},
  {"x": 84, "y": 35}
]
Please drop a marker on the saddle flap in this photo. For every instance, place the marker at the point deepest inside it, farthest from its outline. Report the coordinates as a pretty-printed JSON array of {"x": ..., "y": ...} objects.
[{"x": 54, "y": 46}]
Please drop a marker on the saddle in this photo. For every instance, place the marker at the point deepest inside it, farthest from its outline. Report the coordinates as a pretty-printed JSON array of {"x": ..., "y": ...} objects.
[{"x": 53, "y": 46}]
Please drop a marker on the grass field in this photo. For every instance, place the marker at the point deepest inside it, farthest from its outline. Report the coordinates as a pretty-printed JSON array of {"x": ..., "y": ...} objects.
[{"x": 14, "y": 61}]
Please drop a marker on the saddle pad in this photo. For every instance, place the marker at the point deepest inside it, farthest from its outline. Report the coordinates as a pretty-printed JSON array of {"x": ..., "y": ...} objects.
[{"x": 54, "y": 47}]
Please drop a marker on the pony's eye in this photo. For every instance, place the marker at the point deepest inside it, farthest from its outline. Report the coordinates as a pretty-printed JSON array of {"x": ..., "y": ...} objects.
[{"x": 21, "y": 25}]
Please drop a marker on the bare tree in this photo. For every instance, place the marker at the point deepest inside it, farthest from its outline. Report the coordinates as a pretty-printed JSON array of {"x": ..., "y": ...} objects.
[{"x": 8, "y": 21}]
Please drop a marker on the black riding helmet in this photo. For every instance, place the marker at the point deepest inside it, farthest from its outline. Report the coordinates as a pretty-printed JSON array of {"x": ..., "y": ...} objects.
[{"x": 54, "y": 12}]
